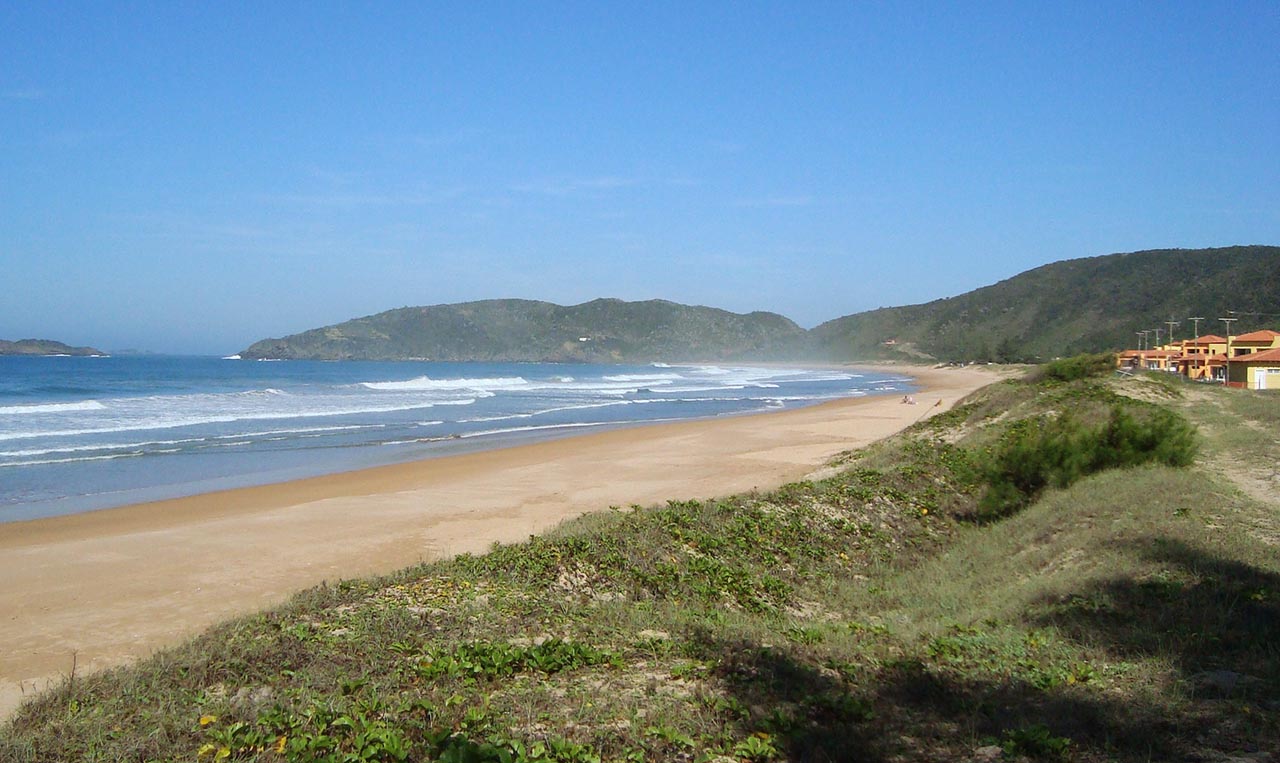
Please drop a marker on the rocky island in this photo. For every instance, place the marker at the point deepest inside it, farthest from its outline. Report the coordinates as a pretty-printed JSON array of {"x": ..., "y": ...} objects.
[{"x": 44, "y": 347}]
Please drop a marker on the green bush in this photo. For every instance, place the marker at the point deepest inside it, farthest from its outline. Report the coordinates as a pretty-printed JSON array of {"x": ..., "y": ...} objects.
[
  {"x": 1056, "y": 451},
  {"x": 1077, "y": 367}
]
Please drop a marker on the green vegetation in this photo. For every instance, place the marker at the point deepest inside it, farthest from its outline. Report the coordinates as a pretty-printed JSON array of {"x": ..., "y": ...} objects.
[
  {"x": 1077, "y": 367},
  {"x": 1083, "y": 305},
  {"x": 43, "y": 347},
  {"x": 1126, "y": 613},
  {"x": 1056, "y": 451},
  {"x": 604, "y": 330}
]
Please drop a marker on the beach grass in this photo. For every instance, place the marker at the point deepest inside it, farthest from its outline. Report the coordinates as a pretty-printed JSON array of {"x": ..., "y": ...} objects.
[{"x": 876, "y": 614}]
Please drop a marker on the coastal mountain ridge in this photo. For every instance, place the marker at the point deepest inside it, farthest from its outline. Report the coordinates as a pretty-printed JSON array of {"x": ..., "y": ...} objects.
[
  {"x": 513, "y": 330},
  {"x": 1091, "y": 304},
  {"x": 44, "y": 347}
]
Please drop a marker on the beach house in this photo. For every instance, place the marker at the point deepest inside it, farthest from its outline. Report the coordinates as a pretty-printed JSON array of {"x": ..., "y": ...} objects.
[
  {"x": 1202, "y": 358},
  {"x": 1255, "y": 370},
  {"x": 1254, "y": 341},
  {"x": 1249, "y": 360}
]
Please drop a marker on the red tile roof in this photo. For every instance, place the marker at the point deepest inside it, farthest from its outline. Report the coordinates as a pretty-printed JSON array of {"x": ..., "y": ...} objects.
[
  {"x": 1150, "y": 354},
  {"x": 1268, "y": 356},
  {"x": 1265, "y": 335},
  {"x": 1211, "y": 338}
]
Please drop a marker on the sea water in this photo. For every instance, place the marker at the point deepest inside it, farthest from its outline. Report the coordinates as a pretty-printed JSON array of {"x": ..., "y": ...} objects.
[{"x": 78, "y": 434}]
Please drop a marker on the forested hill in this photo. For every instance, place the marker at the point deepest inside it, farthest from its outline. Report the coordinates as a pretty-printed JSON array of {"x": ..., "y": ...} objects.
[
  {"x": 1084, "y": 305},
  {"x": 604, "y": 330},
  {"x": 43, "y": 347}
]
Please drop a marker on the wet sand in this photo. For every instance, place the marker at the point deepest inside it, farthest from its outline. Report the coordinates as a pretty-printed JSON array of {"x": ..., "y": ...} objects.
[{"x": 110, "y": 586}]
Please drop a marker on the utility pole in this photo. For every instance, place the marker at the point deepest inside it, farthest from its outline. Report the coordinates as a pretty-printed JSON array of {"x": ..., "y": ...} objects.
[
  {"x": 1157, "y": 336},
  {"x": 1171, "y": 324},
  {"x": 1139, "y": 335},
  {"x": 1199, "y": 354},
  {"x": 1226, "y": 365},
  {"x": 1146, "y": 342}
]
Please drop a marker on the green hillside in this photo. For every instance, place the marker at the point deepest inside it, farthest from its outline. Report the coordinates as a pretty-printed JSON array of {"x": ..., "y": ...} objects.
[
  {"x": 604, "y": 330},
  {"x": 1084, "y": 305},
  {"x": 1087, "y": 305},
  {"x": 43, "y": 347}
]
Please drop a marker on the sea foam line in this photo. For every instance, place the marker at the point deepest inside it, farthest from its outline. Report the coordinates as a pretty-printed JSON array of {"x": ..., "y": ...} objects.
[
  {"x": 91, "y": 448},
  {"x": 132, "y": 454},
  {"x": 585, "y": 424},
  {"x": 84, "y": 405},
  {"x": 545, "y": 411},
  {"x": 141, "y": 427},
  {"x": 269, "y": 434},
  {"x": 425, "y": 383}
]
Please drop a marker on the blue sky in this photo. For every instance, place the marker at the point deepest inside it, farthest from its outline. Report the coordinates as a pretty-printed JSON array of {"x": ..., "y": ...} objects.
[{"x": 192, "y": 177}]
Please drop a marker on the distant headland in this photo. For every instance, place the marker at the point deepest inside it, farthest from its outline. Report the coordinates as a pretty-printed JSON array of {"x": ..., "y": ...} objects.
[
  {"x": 517, "y": 330},
  {"x": 44, "y": 347},
  {"x": 1092, "y": 304}
]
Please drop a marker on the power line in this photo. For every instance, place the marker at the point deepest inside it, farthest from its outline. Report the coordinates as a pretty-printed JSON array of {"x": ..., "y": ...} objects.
[
  {"x": 1197, "y": 322},
  {"x": 1226, "y": 363}
]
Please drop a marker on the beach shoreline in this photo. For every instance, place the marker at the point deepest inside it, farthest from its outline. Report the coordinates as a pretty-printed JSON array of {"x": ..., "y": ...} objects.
[{"x": 102, "y": 588}]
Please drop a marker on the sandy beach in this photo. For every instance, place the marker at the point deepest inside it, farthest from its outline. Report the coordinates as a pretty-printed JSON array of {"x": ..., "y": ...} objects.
[{"x": 106, "y": 587}]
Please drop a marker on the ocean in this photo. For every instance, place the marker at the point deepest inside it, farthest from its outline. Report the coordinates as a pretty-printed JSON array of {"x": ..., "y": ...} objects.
[{"x": 85, "y": 433}]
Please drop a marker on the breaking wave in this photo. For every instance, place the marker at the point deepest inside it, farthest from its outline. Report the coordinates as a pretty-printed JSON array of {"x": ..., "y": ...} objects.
[{"x": 84, "y": 405}]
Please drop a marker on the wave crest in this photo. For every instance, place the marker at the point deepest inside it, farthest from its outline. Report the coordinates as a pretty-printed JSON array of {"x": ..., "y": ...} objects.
[
  {"x": 83, "y": 405},
  {"x": 427, "y": 384}
]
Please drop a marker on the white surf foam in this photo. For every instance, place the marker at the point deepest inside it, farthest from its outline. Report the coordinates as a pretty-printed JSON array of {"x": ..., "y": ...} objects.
[
  {"x": 643, "y": 378},
  {"x": 426, "y": 384},
  {"x": 545, "y": 411},
  {"x": 539, "y": 428},
  {"x": 144, "y": 424},
  {"x": 132, "y": 454},
  {"x": 548, "y": 427},
  {"x": 262, "y": 392},
  {"x": 28, "y": 452},
  {"x": 83, "y": 405}
]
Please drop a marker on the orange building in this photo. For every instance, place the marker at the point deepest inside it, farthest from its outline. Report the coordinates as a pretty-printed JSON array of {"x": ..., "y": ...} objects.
[
  {"x": 1197, "y": 357},
  {"x": 1255, "y": 370},
  {"x": 1254, "y": 341}
]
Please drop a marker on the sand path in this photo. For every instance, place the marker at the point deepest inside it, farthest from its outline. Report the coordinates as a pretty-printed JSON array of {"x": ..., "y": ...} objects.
[{"x": 113, "y": 585}]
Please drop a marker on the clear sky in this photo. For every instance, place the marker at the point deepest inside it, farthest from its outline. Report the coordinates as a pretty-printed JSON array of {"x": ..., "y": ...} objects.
[{"x": 194, "y": 176}]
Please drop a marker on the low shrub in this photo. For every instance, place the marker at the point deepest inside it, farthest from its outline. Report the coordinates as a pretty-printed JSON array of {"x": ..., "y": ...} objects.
[
  {"x": 1055, "y": 451},
  {"x": 1073, "y": 368}
]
